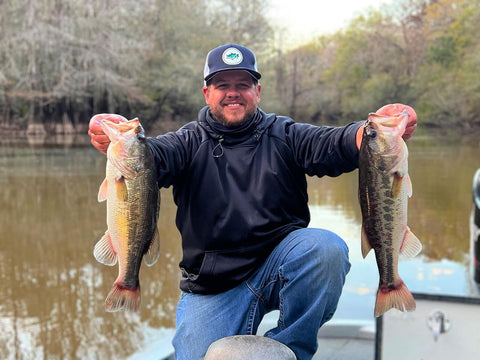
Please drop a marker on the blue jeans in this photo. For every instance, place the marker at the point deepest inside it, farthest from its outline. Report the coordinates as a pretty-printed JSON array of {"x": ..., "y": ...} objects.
[{"x": 303, "y": 278}]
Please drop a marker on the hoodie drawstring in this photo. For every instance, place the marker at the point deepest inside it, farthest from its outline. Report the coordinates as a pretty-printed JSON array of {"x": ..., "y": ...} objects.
[{"x": 217, "y": 151}]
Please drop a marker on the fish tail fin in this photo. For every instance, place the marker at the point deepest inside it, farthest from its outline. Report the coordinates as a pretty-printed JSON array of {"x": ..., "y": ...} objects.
[
  {"x": 122, "y": 298},
  {"x": 399, "y": 297}
]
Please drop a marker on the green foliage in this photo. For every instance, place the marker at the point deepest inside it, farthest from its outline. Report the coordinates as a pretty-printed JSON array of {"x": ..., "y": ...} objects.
[
  {"x": 447, "y": 83},
  {"x": 443, "y": 51},
  {"x": 418, "y": 52}
]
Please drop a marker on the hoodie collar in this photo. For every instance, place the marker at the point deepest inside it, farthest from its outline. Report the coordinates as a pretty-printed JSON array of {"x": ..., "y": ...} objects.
[{"x": 231, "y": 135}]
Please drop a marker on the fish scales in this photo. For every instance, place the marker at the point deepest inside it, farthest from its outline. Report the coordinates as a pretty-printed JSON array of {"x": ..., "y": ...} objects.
[
  {"x": 133, "y": 202},
  {"x": 384, "y": 188},
  {"x": 379, "y": 222}
]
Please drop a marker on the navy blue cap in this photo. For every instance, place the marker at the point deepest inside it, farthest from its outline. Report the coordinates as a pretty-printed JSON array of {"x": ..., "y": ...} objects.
[{"x": 230, "y": 57}]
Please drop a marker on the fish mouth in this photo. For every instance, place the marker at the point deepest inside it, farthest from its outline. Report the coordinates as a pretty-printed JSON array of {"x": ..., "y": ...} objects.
[{"x": 394, "y": 122}]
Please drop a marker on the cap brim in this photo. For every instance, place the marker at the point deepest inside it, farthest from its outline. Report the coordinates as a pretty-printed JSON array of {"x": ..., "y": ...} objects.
[{"x": 254, "y": 74}]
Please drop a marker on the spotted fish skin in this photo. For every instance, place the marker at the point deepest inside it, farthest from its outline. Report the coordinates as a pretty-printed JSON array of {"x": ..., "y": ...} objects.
[{"x": 384, "y": 189}]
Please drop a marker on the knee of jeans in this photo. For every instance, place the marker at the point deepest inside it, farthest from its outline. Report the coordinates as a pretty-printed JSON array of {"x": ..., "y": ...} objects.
[
  {"x": 329, "y": 250},
  {"x": 317, "y": 250}
]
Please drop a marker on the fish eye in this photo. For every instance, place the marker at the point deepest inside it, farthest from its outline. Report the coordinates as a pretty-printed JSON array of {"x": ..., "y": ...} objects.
[{"x": 372, "y": 134}]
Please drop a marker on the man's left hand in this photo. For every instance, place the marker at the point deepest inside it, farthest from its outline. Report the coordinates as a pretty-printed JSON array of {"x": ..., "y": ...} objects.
[{"x": 392, "y": 109}]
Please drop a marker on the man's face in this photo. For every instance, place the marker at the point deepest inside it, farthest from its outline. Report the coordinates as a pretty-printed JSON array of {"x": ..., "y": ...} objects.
[{"x": 233, "y": 97}]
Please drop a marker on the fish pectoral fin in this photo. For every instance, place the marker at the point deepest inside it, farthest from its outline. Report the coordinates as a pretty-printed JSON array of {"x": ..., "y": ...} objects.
[
  {"x": 399, "y": 181},
  {"x": 102, "y": 192},
  {"x": 121, "y": 189},
  {"x": 397, "y": 184},
  {"x": 153, "y": 252},
  {"x": 104, "y": 252},
  {"x": 409, "y": 185},
  {"x": 366, "y": 247},
  {"x": 411, "y": 246}
]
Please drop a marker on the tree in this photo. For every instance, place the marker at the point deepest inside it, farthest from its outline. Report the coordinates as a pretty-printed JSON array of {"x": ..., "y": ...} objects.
[
  {"x": 447, "y": 82},
  {"x": 62, "y": 61}
]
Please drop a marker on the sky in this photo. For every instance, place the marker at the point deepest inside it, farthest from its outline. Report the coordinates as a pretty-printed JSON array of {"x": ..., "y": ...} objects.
[{"x": 306, "y": 18}]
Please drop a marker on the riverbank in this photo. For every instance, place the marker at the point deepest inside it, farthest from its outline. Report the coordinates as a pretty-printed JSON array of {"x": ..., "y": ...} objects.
[{"x": 165, "y": 125}]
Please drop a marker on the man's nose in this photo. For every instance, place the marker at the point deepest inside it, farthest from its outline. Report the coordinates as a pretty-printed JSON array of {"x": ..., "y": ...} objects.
[{"x": 232, "y": 92}]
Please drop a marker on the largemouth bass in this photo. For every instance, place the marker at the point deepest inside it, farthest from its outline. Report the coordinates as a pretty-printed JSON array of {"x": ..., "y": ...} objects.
[
  {"x": 133, "y": 201},
  {"x": 384, "y": 189}
]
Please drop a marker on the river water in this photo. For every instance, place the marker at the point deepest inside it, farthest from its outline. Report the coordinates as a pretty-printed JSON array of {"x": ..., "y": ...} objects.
[{"x": 53, "y": 290}]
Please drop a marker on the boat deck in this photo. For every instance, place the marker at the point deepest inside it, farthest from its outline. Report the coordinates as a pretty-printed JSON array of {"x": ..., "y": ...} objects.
[
  {"x": 337, "y": 340},
  {"x": 345, "y": 348}
]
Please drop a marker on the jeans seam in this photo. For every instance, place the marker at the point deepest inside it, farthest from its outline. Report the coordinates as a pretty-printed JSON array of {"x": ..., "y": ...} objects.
[
  {"x": 259, "y": 293},
  {"x": 251, "y": 317},
  {"x": 281, "y": 317}
]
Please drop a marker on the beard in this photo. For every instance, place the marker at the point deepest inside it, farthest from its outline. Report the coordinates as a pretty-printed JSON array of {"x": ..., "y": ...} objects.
[{"x": 219, "y": 116}]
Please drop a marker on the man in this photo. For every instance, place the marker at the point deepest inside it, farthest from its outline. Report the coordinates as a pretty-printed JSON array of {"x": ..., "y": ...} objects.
[{"x": 238, "y": 177}]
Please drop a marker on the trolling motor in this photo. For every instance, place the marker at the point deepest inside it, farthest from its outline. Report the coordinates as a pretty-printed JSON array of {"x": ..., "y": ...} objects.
[{"x": 475, "y": 227}]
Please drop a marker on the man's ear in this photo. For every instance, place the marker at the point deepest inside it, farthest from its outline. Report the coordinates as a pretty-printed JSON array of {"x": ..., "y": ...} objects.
[{"x": 205, "y": 93}]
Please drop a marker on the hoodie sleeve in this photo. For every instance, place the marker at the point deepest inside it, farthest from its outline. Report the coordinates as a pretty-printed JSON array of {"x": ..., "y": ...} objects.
[
  {"x": 324, "y": 150},
  {"x": 172, "y": 153}
]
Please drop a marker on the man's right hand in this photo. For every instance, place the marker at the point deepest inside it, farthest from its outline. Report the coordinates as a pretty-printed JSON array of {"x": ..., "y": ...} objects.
[{"x": 98, "y": 138}]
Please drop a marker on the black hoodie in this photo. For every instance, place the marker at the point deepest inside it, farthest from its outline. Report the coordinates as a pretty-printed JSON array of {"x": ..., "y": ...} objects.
[{"x": 240, "y": 191}]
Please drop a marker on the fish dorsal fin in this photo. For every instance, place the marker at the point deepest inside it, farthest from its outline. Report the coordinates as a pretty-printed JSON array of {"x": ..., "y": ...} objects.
[
  {"x": 104, "y": 252},
  {"x": 151, "y": 256},
  {"x": 366, "y": 247},
  {"x": 411, "y": 246}
]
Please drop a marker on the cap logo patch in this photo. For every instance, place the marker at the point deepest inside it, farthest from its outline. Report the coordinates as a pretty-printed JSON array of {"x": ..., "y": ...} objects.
[{"x": 232, "y": 56}]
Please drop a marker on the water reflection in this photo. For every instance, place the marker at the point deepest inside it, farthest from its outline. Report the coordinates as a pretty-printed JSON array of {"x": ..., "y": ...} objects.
[{"x": 51, "y": 303}]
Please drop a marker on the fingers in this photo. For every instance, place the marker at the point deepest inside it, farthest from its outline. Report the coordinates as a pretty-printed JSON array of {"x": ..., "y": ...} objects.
[
  {"x": 409, "y": 130},
  {"x": 392, "y": 109},
  {"x": 98, "y": 138},
  {"x": 96, "y": 121},
  {"x": 100, "y": 142},
  {"x": 412, "y": 122}
]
